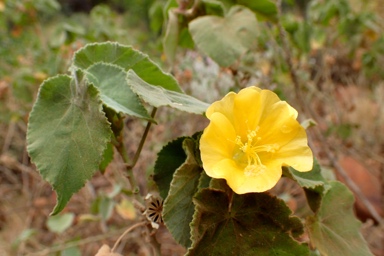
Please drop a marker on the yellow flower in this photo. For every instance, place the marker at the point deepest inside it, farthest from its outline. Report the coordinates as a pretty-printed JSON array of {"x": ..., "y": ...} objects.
[{"x": 251, "y": 135}]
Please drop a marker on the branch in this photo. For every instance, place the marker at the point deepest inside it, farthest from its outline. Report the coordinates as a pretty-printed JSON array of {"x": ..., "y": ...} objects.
[
  {"x": 126, "y": 232},
  {"x": 288, "y": 57},
  {"x": 306, "y": 108}
]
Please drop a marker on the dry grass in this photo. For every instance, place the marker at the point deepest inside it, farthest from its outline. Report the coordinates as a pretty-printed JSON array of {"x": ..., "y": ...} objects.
[{"x": 26, "y": 200}]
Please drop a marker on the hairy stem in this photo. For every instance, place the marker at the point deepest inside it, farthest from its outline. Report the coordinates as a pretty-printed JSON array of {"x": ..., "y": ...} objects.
[
  {"x": 130, "y": 165},
  {"x": 142, "y": 141}
]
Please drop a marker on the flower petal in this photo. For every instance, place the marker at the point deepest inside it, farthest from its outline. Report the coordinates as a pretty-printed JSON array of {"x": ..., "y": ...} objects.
[
  {"x": 227, "y": 169},
  {"x": 296, "y": 153},
  {"x": 253, "y": 129},
  {"x": 215, "y": 143},
  {"x": 247, "y": 110},
  {"x": 224, "y": 106},
  {"x": 261, "y": 182},
  {"x": 278, "y": 124}
]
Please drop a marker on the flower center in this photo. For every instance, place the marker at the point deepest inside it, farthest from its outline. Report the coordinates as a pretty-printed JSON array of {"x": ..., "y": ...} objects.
[{"x": 251, "y": 149}]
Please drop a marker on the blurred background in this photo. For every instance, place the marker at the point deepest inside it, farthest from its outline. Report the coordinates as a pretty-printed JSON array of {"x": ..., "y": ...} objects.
[{"x": 337, "y": 51}]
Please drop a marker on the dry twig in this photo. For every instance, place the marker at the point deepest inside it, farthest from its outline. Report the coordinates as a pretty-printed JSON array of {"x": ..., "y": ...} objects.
[{"x": 318, "y": 135}]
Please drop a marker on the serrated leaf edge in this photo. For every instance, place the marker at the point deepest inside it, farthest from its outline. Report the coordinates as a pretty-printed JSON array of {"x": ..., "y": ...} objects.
[{"x": 125, "y": 72}]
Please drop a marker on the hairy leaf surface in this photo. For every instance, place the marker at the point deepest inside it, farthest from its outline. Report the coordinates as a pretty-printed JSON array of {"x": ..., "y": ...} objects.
[
  {"x": 250, "y": 224},
  {"x": 158, "y": 96},
  {"x": 171, "y": 157},
  {"x": 178, "y": 206},
  {"x": 334, "y": 230},
  {"x": 225, "y": 39},
  {"x": 67, "y": 135},
  {"x": 114, "y": 90},
  {"x": 127, "y": 58}
]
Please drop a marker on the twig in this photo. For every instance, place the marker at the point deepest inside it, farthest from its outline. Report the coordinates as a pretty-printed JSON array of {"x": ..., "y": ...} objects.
[
  {"x": 77, "y": 243},
  {"x": 155, "y": 245},
  {"x": 382, "y": 200},
  {"x": 126, "y": 232},
  {"x": 188, "y": 13},
  {"x": 9, "y": 136},
  {"x": 142, "y": 141},
  {"x": 288, "y": 57},
  {"x": 123, "y": 153},
  {"x": 320, "y": 137}
]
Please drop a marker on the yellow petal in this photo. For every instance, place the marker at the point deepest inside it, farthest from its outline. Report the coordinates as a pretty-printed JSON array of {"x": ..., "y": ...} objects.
[
  {"x": 247, "y": 110},
  {"x": 261, "y": 182},
  {"x": 296, "y": 153},
  {"x": 227, "y": 169},
  {"x": 224, "y": 106},
  {"x": 278, "y": 125},
  {"x": 255, "y": 129},
  {"x": 216, "y": 143}
]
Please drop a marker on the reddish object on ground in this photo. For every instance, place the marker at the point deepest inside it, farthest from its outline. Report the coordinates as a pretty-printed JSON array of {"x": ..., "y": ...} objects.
[{"x": 368, "y": 183}]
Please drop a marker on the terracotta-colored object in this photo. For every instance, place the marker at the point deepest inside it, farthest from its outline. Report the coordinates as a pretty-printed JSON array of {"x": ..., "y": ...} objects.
[{"x": 368, "y": 183}]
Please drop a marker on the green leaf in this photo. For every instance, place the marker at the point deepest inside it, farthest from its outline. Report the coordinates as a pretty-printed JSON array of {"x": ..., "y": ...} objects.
[
  {"x": 107, "y": 157},
  {"x": 214, "y": 7},
  {"x": 25, "y": 235},
  {"x": 168, "y": 160},
  {"x": 266, "y": 8},
  {"x": 307, "y": 123},
  {"x": 171, "y": 37},
  {"x": 114, "y": 91},
  {"x": 127, "y": 58},
  {"x": 158, "y": 96},
  {"x": 156, "y": 16},
  {"x": 252, "y": 224},
  {"x": 178, "y": 207},
  {"x": 60, "y": 223},
  {"x": 71, "y": 251},
  {"x": 334, "y": 230},
  {"x": 311, "y": 180},
  {"x": 185, "y": 39},
  {"x": 204, "y": 180},
  {"x": 67, "y": 135},
  {"x": 302, "y": 37},
  {"x": 106, "y": 206},
  {"x": 225, "y": 39}
]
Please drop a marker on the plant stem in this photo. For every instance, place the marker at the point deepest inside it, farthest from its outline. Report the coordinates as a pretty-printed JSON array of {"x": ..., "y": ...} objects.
[
  {"x": 126, "y": 232},
  {"x": 129, "y": 173},
  {"x": 155, "y": 245},
  {"x": 142, "y": 141},
  {"x": 124, "y": 155},
  {"x": 81, "y": 242},
  {"x": 288, "y": 57},
  {"x": 306, "y": 109}
]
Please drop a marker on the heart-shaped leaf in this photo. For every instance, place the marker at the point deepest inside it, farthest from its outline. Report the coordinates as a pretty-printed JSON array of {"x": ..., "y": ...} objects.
[
  {"x": 60, "y": 223},
  {"x": 334, "y": 230},
  {"x": 67, "y": 135},
  {"x": 249, "y": 224},
  {"x": 225, "y": 39}
]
